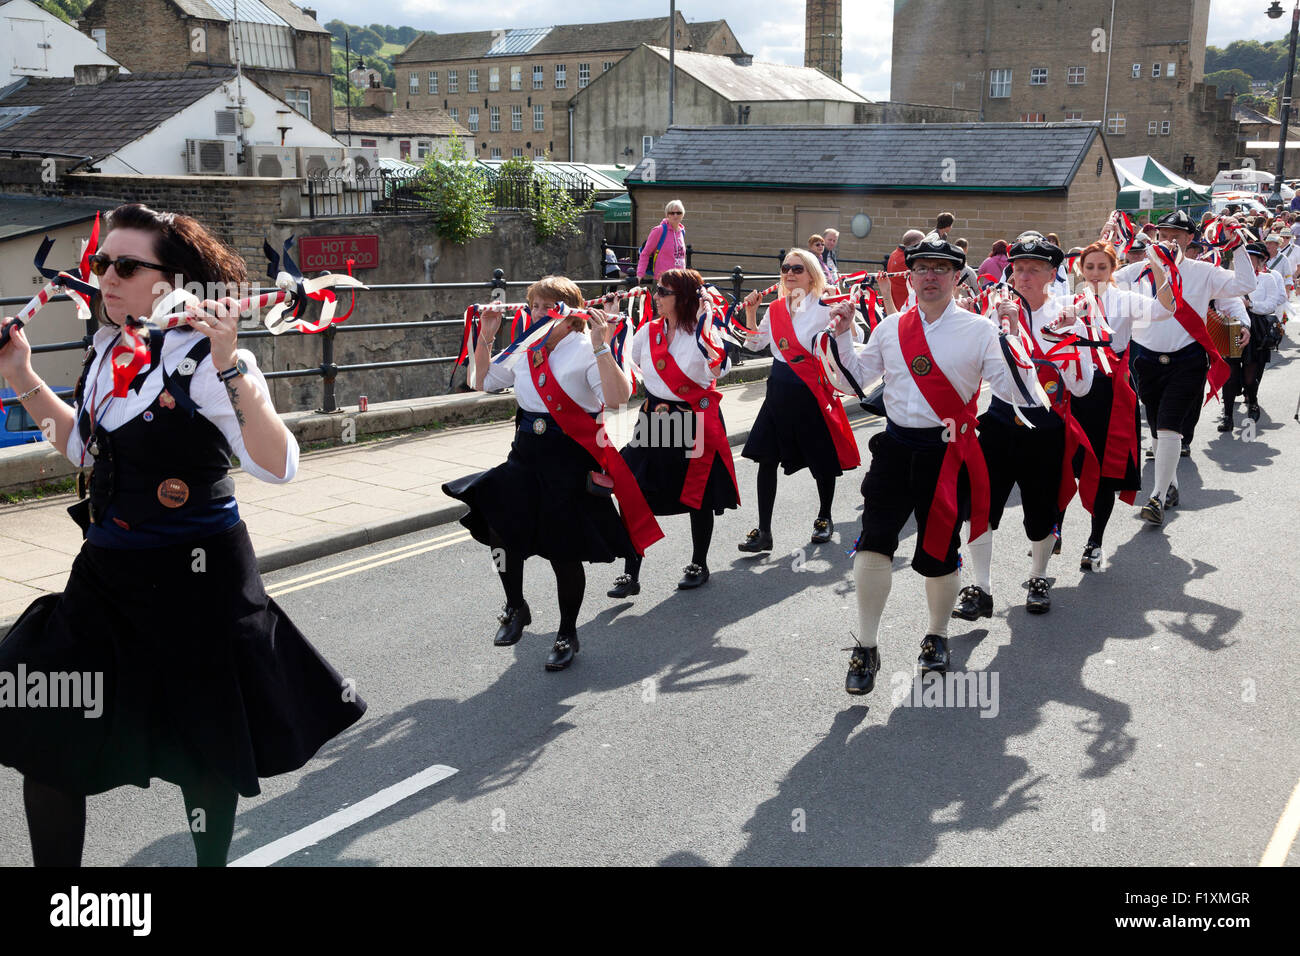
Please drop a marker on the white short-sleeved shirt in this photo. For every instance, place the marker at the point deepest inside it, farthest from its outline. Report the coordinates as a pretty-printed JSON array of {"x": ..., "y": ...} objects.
[
  {"x": 206, "y": 390},
  {"x": 685, "y": 352},
  {"x": 572, "y": 363},
  {"x": 810, "y": 318},
  {"x": 1201, "y": 283}
]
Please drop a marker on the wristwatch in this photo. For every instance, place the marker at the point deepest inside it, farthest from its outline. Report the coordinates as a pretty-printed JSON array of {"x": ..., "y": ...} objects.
[{"x": 240, "y": 367}]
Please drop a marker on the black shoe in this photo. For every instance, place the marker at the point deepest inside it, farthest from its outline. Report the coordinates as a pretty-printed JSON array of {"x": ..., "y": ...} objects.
[
  {"x": 513, "y": 621},
  {"x": 1040, "y": 598},
  {"x": 1091, "y": 560},
  {"x": 1253, "y": 411},
  {"x": 863, "y": 667},
  {"x": 975, "y": 603},
  {"x": 1153, "y": 512},
  {"x": 1226, "y": 423},
  {"x": 624, "y": 586},
  {"x": 822, "y": 529},
  {"x": 1186, "y": 452},
  {"x": 934, "y": 654},
  {"x": 756, "y": 541},
  {"x": 693, "y": 575},
  {"x": 1171, "y": 497},
  {"x": 1151, "y": 453},
  {"x": 562, "y": 652}
]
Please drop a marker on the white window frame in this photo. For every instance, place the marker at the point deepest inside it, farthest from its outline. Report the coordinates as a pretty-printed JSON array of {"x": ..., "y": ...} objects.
[
  {"x": 1038, "y": 76},
  {"x": 516, "y": 78},
  {"x": 433, "y": 82},
  {"x": 454, "y": 113},
  {"x": 472, "y": 119},
  {"x": 494, "y": 79},
  {"x": 584, "y": 75},
  {"x": 1137, "y": 71},
  {"x": 517, "y": 152},
  {"x": 422, "y": 148},
  {"x": 471, "y": 81},
  {"x": 606, "y": 66},
  {"x": 494, "y": 152},
  {"x": 1155, "y": 70},
  {"x": 1073, "y": 115},
  {"x": 539, "y": 118},
  {"x": 1117, "y": 124},
  {"x": 413, "y": 84},
  {"x": 1164, "y": 127},
  {"x": 453, "y": 81},
  {"x": 539, "y": 77},
  {"x": 1076, "y": 76},
  {"x": 1000, "y": 84},
  {"x": 494, "y": 119},
  {"x": 561, "y": 76},
  {"x": 1169, "y": 72},
  {"x": 1152, "y": 126},
  {"x": 1033, "y": 117},
  {"x": 516, "y": 118},
  {"x": 539, "y": 152},
  {"x": 297, "y": 98},
  {"x": 647, "y": 144}
]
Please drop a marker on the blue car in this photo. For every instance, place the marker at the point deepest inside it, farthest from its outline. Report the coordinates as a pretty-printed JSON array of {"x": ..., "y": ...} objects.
[{"x": 19, "y": 428}]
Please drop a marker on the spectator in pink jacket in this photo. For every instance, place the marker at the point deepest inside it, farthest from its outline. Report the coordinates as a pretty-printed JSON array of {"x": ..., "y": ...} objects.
[{"x": 665, "y": 247}]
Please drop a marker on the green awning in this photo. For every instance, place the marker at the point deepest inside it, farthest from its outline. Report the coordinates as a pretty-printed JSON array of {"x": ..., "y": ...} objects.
[
  {"x": 1168, "y": 190},
  {"x": 618, "y": 209}
]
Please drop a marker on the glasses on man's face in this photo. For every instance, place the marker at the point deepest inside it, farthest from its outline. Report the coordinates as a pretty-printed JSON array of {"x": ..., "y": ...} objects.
[
  {"x": 794, "y": 267},
  {"x": 125, "y": 265},
  {"x": 940, "y": 271},
  {"x": 663, "y": 293}
]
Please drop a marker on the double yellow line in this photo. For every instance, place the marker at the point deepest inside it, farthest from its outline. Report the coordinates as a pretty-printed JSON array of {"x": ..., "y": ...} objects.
[{"x": 325, "y": 575}]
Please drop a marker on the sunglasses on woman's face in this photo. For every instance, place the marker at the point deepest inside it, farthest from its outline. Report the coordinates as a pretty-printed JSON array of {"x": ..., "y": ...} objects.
[
  {"x": 796, "y": 268},
  {"x": 125, "y": 265},
  {"x": 662, "y": 292}
]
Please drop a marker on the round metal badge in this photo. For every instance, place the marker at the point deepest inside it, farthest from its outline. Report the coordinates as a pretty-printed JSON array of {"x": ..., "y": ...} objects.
[
  {"x": 661, "y": 365},
  {"x": 704, "y": 402},
  {"x": 541, "y": 379},
  {"x": 173, "y": 493},
  {"x": 186, "y": 366},
  {"x": 784, "y": 344},
  {"x": 921, "y": 365},
  {"x": 147, "y": 416},
  {"x": 539, "y": 426},
  {"x": 1164, "y": 360}
]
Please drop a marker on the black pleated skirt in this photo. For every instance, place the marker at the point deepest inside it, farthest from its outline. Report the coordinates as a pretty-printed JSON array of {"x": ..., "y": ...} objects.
[
  {"x": 790, "y": 430},
  {"x": 660, "y": 465},
  {"x": 537, "y": 500},
  {"x": 200, "y": 673},
  {"x": 1093, "y": 413}
]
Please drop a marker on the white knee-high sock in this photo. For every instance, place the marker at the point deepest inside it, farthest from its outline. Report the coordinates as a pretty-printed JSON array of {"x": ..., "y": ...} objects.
[
  {"x": 941, "y": 596},
  {"x": 981, "y": 559},
  {"x": 1169, "y": 446},
  {"x": 872, "y": 576},
  {"x": 1042, "y": 551}
]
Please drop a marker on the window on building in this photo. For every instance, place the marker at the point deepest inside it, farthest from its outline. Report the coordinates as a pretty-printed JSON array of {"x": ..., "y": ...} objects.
[
  {"x": 999, "y": 84},
  {"x": 415, "y": 83},
  {"x": 1076, "y": 75},
  {"x": 433, "y": 82},
  {"x": 1152, "y": 127},
  {"x": 1164, "y": 127},
  {"x": 604, "y": 67},
  {"x": 1169, "y": 69},
  {"x": 539, "y": 117},
  {"x": 422, "y": 148},
  {"x": 1033, "y": 117},
  {"x": 1116, "y": 124},
  {"x": 516, "y": 119},
  {"x": 472, "y": 84},
  {"x": 454, "y": 112},
  {"x": 453, "y": 81},
  {"x": 370, "y": 142},
  {"x": 516, "y": 77},
  {"x": 1074, "y": 115},
  {"x": 1155, "y": 71},
  {"x": 494, "y": 79},
  {"x": 300, "y": 100},
  {"x": 539, "y": 77},
  {"x": 1137, "y": 71},
  {"x": 561, "y": 76},
  {"x": 473, "y": 119},
  {"x": 584, "y": 75},
  {"x": 1038, "y": 76},
  {"x": 647, "y": 143},
  {"x": 517, "y": 152},
  {"x": 494, "y": 119},
  {"x": 262, "y": 44},
  {"x": 404, "y": 148},
  {"x": 539, "y": 153},
  {"x": 495, "y": 153}
]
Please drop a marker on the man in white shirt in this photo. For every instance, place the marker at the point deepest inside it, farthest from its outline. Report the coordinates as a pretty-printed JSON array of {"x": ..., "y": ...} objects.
[
  {"x": 1255, "y": 313},
  {"x": 933, "y": 357},
  {"x": 1170, "y": 362}
]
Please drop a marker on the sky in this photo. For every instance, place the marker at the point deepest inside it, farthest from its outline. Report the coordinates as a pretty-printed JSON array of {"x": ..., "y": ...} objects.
[{"x": 867, "y": 25}]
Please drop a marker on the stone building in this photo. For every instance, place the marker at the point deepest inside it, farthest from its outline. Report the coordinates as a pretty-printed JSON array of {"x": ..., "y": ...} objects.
[
  {"x": 511, "y": 88},
  {"x": 1053, "y": 60},
  {"x": 755, "y": 190},
  {"x": 618, "y": 118},
  {"x": 282, "y": 46},
  {"x": 823, "y": 37},
  {"x": 409, "y": 134}
]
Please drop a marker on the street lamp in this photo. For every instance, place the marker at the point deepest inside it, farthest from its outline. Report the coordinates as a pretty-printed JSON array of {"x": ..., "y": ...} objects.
[{"x": 1274, "y": 12}]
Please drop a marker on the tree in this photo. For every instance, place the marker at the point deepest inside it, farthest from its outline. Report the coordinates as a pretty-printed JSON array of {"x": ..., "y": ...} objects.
[
  {"x": 458, "y": 193},
  {"x": 1229, "y": 81}
]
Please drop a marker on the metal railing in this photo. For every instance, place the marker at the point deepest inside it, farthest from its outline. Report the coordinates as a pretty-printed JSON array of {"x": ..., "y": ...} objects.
[
  {"x": 628, "y": 263},
  {"x": 736, "y": 285}
]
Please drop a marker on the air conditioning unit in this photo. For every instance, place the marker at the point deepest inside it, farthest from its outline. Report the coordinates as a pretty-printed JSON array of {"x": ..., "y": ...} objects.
[
  {"x": 211, "y": 157},
  {"x": 365, "y": 161},
  {"x": 273, "y": 161},
  {"x": 324, "y": 165}
]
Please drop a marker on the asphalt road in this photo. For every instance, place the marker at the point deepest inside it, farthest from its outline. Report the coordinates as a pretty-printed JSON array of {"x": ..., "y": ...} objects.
[{"x": 1148, "y": 719}]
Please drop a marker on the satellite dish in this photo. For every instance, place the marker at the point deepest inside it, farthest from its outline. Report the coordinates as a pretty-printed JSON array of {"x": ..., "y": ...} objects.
[{"x": 246, "y": 117}]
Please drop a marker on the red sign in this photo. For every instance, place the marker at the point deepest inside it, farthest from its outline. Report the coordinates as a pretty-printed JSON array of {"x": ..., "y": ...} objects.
[{"x": 331, "y": 253}]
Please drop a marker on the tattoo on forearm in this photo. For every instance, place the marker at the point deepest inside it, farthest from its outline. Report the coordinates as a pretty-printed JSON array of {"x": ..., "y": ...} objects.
[{"x": 234, "y": 403}]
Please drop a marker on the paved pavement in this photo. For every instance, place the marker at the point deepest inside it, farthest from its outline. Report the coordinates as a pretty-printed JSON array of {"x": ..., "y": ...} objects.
[{"x": 339, "y": 494}]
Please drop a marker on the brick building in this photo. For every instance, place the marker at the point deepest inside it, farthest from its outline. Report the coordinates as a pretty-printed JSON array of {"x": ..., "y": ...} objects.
[
  {"x": 282, "y": 46},
  {"x": 410, "y": 134},
  {"x": 1060, "y": 60},
  {"x": 754, "y": 190},
  {"x": 511, "y": 88}
]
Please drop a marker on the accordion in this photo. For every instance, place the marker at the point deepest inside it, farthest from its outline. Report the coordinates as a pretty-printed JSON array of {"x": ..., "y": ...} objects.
[{"x": 1225, "y": 333}]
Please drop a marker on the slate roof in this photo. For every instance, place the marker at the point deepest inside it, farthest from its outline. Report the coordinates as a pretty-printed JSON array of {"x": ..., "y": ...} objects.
[
  {"x": 1244, "y": 114},
  {"x": 371, "y": 119},
  {"x": 96, "y": 120},
  {"x": 760, "y": 82},
  {"x": 559, "y": 40},
  {"x": 986, "y": 157},
  {"x": 26, "y": 215}
]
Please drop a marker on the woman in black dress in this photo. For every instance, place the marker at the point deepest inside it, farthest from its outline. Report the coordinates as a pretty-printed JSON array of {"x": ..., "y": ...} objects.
[
  {"x": 679, "y": 450},
  {"x": 551, "y": 497},
  {"x": 205, "y": 682}
]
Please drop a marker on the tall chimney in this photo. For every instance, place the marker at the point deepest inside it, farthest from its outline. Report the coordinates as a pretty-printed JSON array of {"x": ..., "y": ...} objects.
[{"x": 823, "y": 36}]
